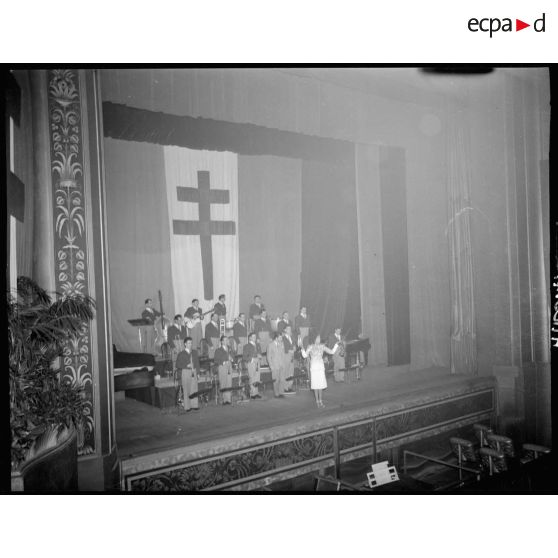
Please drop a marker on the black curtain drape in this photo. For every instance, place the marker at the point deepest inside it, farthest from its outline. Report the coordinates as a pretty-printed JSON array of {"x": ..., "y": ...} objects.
[
  {"x": 330, "y": 286},
  {"x": 395, "y": 248}
]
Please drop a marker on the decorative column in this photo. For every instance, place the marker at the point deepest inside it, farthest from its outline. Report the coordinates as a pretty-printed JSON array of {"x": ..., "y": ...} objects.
[{"x": 77, "y": 225}]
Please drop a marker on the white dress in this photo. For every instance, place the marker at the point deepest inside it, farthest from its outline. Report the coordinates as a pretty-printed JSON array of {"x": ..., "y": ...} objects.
[{"x": 317, "y": 368}]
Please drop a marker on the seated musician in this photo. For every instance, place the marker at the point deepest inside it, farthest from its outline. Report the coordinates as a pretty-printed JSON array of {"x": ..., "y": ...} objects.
[
  {"x": 222, "y": 359},
  {"x": 262, "y": 329},
  {"x": 251, "y": 356},
  {"x": 289, "y": 348},
  {"x": 255, "y": 311},
  {"x": 338, "y": 355},
  {"x": 212, "y": 334},
  {"x": 302, "y": 326},
  {"x": 188, "y": 366},
  {"x": 176, "y": 334},
  {"x": 240, "y": 332},
  {"x": 283, "y": 322},
  {"x": 194, "y": 315},
  {"x": 220, "y": 309},
  {"x": 148, "y": 331}
]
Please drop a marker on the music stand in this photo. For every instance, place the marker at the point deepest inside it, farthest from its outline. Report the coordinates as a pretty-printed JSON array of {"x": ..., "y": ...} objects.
[{"x": 139, "y": 323}]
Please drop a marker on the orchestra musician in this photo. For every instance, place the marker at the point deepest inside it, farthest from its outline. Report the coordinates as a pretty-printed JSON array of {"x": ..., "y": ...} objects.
[
  {"x": 338, "y": 355},
  {"x": 188, "y": 365},
  {"x": 302, "y": 325},
  {"x": 240, "y": 332},
  {"x": 255, "y": 311},
  {"x": 148, "y": 331},
  {"x": 212, "y": 334},
  {"x": 222, "y": 359},
  {"x": 251, "y": 356},
  {"x": 276, "y": 361},
  {"x": 194, "y": 314},
  {"x": 262, "y": 328},
  {"x": 176, "y": 334},
  {"x": 283, "y": 322},
  {"x": 220, "y": 309},
  {"x": 256, "y": 308},
  {"x": 289, "y": 349}
]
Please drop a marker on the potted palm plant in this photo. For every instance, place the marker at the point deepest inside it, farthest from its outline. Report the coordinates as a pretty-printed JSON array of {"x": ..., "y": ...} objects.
[{"x": 46, "y": 408}]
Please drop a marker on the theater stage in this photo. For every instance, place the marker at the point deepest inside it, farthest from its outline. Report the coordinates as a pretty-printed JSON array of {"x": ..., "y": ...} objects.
[{"x": 251, "y": 445}]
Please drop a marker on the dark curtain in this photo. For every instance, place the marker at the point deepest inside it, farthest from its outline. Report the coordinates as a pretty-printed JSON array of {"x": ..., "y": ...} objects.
[
  {"x": 330, "y": 279},
  {"x": 138, "y": 235},
  {"x": 396, "y": 259},
  {"x": 269, "y": 220}
]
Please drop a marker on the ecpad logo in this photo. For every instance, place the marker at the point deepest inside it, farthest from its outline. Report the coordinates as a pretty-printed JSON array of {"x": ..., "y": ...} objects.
[{"x": 493, "y": 25}]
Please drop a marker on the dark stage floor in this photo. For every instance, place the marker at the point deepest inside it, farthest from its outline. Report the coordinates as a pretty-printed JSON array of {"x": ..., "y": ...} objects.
[{"x": 142, "y": 428}]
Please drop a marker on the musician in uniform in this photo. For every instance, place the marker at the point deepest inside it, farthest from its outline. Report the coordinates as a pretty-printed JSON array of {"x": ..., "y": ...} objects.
[
  {"x": 176, "y": 334},
  {"x": 194, "y": 314},
  {"x": 276, "y": 361},
  {"x": 188, "y": 365},
  {"x": 223, "y": 362},
  {"x": 302, "y": 326},
  {"x": 256, "y": 308},
  {"x": 212, "y": 334},
  {"x": 262, "y": 328},
  {"x": 251, "y": 356},
  {"x": 338, "y": 355},
  {"x": 148, "y": 331},
  {"x": 220, "y": 309},
  {"x": 283, "y": 322},
  {"x": 289, "y": 347},
  {"x": 240, "y": 332}
]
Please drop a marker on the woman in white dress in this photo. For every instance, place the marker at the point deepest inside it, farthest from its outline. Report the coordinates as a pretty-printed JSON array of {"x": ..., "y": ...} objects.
[{"x": 318, "y": 380}]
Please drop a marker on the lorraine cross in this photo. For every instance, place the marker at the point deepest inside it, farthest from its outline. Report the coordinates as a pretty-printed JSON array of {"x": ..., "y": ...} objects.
[{"x": 205, "y": 227}]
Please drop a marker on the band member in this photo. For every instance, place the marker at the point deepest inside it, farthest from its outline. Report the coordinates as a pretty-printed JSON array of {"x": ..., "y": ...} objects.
[
  {"x": 289, "y": 349},
  {"x": 220, "y": 309},
  {"x": 251, "y": 356},
  {"x": 283, "y": 322},
  {"x": 195, "y": 314},
  {"x": 223, "y": 361},
  {"x": 256, "y": 308},
  {"x": 240, "y": 332},
  {"x": 276, "y": 361},
  {"x": 262, "y": 328},
  {"x": 176, "y": 334},
  {"x": 303, "y": 325},
  {"x": 338, "y": 355},
  {"x": 318, "y": 381},
  {"x": 148, "y": 331},
  {"x": 188, "y": 365},
  {"x": 212, "y": 334}
]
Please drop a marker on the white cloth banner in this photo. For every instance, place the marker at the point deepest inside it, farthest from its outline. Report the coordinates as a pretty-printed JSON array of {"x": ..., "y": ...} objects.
[{"x": 183, "y": 181}]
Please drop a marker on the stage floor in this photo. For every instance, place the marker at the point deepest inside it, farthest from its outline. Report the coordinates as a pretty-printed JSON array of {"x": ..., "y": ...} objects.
[{"x": 143, "y": 429}]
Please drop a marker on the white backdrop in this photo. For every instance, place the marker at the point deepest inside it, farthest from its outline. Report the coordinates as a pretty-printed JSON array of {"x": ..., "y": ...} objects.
[{"x": 181, "y": 168}]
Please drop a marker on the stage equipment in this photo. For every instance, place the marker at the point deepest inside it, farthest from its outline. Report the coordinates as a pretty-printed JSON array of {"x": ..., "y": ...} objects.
[
  {"x": 381, "y": 473},
  {"x": 139, "y": 323},
  {"x": 161, "y": 325}
]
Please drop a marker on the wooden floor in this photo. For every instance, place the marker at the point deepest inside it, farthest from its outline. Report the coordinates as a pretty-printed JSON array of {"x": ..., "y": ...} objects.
[{"x": 141, "y": 428}]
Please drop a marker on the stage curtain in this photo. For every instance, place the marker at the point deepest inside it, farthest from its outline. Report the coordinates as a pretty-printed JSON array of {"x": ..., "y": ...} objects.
[
  {"x": 463, "y": 327},
  {"x": 371, "y": 251},
  {"x": 395, "y": 253},
  {"x": 330, "y": 286},
  {"x": 269, "y": 232},
  {"x": 138, "y": 235}
]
